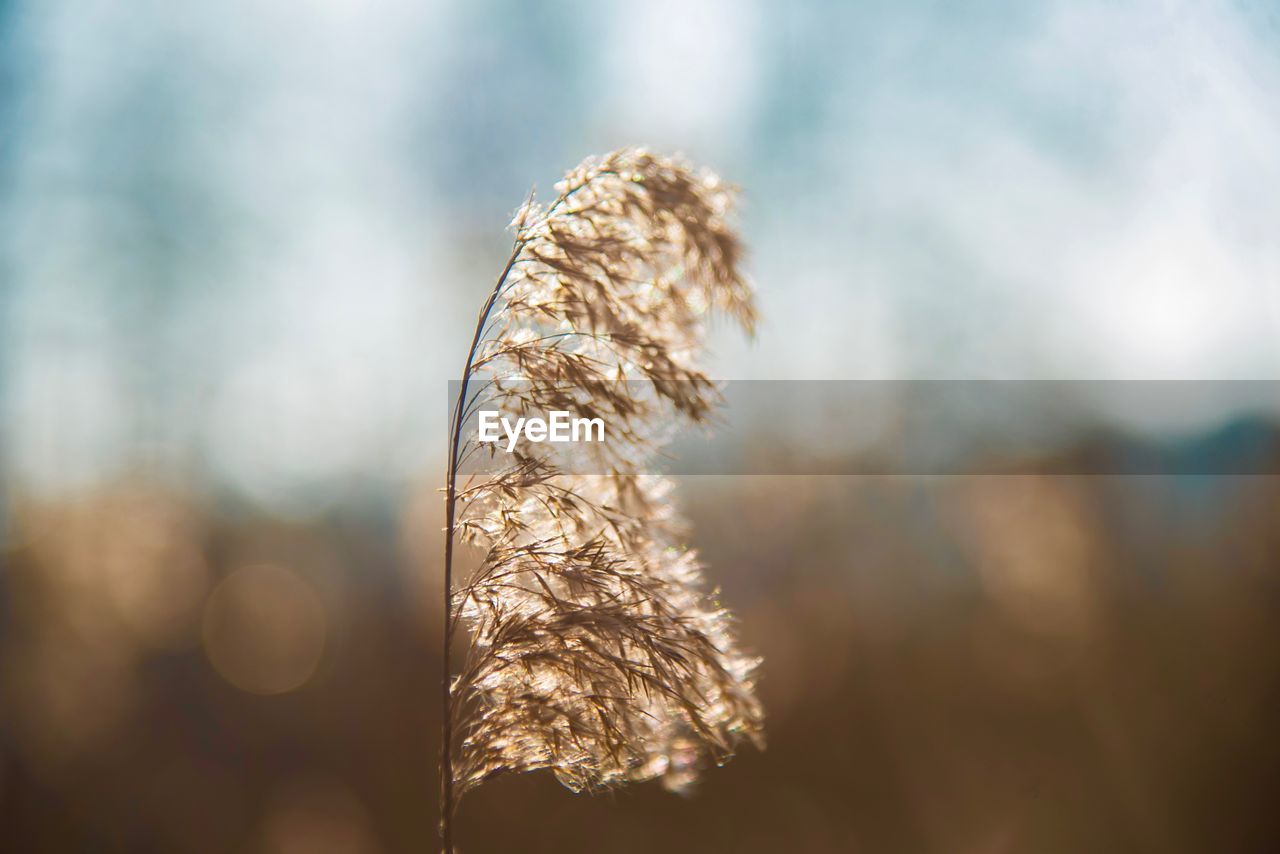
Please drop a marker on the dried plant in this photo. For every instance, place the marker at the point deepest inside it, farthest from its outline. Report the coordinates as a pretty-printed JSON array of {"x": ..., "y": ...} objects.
[{"x": 595, "y": 649}]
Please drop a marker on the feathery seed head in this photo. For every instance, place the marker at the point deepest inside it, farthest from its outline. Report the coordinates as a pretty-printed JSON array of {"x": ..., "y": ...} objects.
[{"x": 597, "y": 651}]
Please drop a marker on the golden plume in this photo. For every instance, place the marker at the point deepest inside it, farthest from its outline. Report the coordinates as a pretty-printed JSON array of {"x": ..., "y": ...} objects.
[{"x": 595, "y": 649}]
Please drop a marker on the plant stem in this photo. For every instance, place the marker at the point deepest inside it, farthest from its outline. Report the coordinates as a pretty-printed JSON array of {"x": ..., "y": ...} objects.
[
  {"x": 450, "y": 514},
  {"x": 447, "y": 802}
]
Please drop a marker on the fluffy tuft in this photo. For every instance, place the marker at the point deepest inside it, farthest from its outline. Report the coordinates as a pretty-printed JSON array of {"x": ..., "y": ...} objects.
[{"x": 597, "y": 651}]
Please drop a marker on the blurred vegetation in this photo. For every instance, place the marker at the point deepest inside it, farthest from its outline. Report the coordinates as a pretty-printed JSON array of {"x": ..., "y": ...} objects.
[{"x": 999, "y": 663}]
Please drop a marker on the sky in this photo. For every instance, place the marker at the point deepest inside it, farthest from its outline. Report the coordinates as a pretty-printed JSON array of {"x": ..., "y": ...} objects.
[{"x": 244, "y": 242}]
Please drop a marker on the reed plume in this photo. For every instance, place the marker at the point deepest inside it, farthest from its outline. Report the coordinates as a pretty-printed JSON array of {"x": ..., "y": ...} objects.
[{"x": 595, "y": 649}]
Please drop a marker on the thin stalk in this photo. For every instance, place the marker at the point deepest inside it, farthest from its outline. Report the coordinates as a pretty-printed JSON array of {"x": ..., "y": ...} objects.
[{"x": 450, "y": 514}]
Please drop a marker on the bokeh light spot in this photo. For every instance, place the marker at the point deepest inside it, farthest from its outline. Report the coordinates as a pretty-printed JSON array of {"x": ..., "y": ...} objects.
[
  {"x": 317, "y": 816},
  {"x": 264, "y": 629}
]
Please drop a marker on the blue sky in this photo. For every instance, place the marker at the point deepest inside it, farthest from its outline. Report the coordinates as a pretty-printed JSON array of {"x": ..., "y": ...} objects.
[{"x": 245, "y": 240}]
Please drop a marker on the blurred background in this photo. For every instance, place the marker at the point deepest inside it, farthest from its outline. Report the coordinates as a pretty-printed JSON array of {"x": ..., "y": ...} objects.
[{"x": 241, "y": 249}]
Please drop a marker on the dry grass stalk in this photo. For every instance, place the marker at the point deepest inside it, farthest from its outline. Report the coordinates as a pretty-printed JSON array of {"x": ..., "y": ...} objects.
[{"x": 595, "y": 649}]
